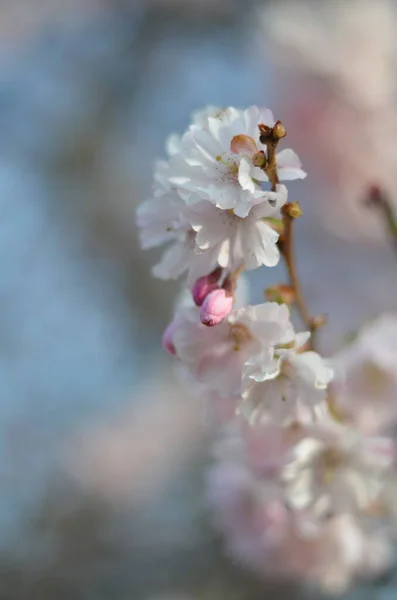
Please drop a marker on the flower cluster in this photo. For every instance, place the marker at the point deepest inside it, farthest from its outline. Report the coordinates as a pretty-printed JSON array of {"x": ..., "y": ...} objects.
[{"x": 301, "y": 483}]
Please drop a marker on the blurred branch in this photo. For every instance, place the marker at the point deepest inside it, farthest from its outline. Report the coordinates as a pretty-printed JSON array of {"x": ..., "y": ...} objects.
[{"x": 379, "y": 200}]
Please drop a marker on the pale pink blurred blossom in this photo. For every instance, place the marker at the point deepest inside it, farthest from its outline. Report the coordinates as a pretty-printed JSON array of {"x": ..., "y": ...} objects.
[
  {"x": 365, "y": 391},
  {"x": 337, "y": 83}
]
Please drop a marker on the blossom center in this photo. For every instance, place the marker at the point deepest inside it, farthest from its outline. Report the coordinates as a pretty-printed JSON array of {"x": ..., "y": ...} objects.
[
  {"x": 330, "y": 461},
  {"x": 240, "y": 335}
]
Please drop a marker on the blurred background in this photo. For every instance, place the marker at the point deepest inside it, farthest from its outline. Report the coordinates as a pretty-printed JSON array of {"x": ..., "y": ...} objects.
[{"x": 102, "y": 449}]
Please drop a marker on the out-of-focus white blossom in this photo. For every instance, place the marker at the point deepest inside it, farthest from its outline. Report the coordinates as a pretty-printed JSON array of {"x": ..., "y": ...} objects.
[
  {"x": 336, "y": 470},
  {"x": 278, "y": 538},
  {"x": 364, "y": 393}
]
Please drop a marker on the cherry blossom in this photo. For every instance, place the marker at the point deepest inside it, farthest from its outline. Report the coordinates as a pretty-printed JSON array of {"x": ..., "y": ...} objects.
[
  {"x": 304, "y": 475},
  {"x": 218, "y": 161}
]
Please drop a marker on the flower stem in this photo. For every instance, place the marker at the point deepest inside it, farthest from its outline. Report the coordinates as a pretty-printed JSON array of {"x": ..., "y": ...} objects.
[
  {"x": 286, "y": 245},
  {"x": 287, "y": 250}
]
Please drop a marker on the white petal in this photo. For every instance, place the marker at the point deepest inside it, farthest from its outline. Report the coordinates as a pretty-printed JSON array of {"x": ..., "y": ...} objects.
[
  {"x": 301, "y": 338},
  {"x": 259, "y": 174},
  {"x": 242, "y": 209},
  {"x": 174, "y": 262},
  {"x": 269, "y": 203},
  {"x": 224, "y": 254},
  {"x": 244, "y": 176},
  {"x": 173, "y": 144},
  {"x": 289, "y": 167},
  {"x": 258, "y": 242},
  {"x": 207, "y": 144}
]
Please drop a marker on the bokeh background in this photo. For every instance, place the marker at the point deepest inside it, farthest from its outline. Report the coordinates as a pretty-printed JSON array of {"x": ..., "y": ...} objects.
[{"x": 102, "y": 449}]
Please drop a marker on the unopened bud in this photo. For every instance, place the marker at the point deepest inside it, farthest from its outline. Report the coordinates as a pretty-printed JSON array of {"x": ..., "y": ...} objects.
[
  {"x": 318, "y": 321},
  {"x": 279, "y": 131},
  {"x": 282, "y": 294},
  {"x": 204, "y": 286},
  {"x": 216, "y": 307},
  {"x": 265, "y": 133},
  {"x": 243, "y": 144},
  {"x": 259, "y": 160},
  {"x": 293, "y": 210}
]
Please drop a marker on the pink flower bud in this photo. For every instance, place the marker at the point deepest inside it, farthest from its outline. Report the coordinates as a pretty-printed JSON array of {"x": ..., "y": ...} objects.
[
  {"x": 243, "y": 144},
  {"x": 203, "y": 286},
  {"x": 217, "y": 305},
  {"x": 167, "y": 340}
]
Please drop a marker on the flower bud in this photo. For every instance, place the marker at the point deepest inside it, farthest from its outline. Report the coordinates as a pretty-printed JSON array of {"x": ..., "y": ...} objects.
[
  {"x": 259, "y": 159},
  {"x": 216, "y": 307},
  {"x": 243, "y": 144},
  {"x": 293, "y": 210},
  {"x": 265, "y": 133},
  {"x": 167, "y": 340},
  {"x": 205, "y": 285},
  {"x": 282, "y": 294},
  {"x": 279, "y": 131}
]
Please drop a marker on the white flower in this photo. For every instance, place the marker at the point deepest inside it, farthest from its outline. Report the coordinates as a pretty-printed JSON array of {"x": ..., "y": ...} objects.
[
  {"x": 249, "y": 241},
  {"x": 199, "y": 120},
  {"x": 335, "y": 470},
  {"x": 365, "y": 390},
  {"x": 218, "y": 354},
  {"x": 215, "y": 161},
  {"x": 290, "y": 386},
  {"x": 275, "y": 540},
  {"x": 165, "y": 218}
]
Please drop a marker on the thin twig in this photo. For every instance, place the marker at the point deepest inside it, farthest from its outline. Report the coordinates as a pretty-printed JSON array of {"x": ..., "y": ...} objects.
[
  {"x": 289, "y": 258},
  {"x": 379, "y": 200},
  {"x": 287, "y": 245}
]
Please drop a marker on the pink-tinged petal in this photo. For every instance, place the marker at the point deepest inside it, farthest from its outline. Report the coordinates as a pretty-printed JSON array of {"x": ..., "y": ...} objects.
[
  {"x": 222, "y": 370},
  {"x": 243, "y": 144},
  {"x": 167, "y": 340}
]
